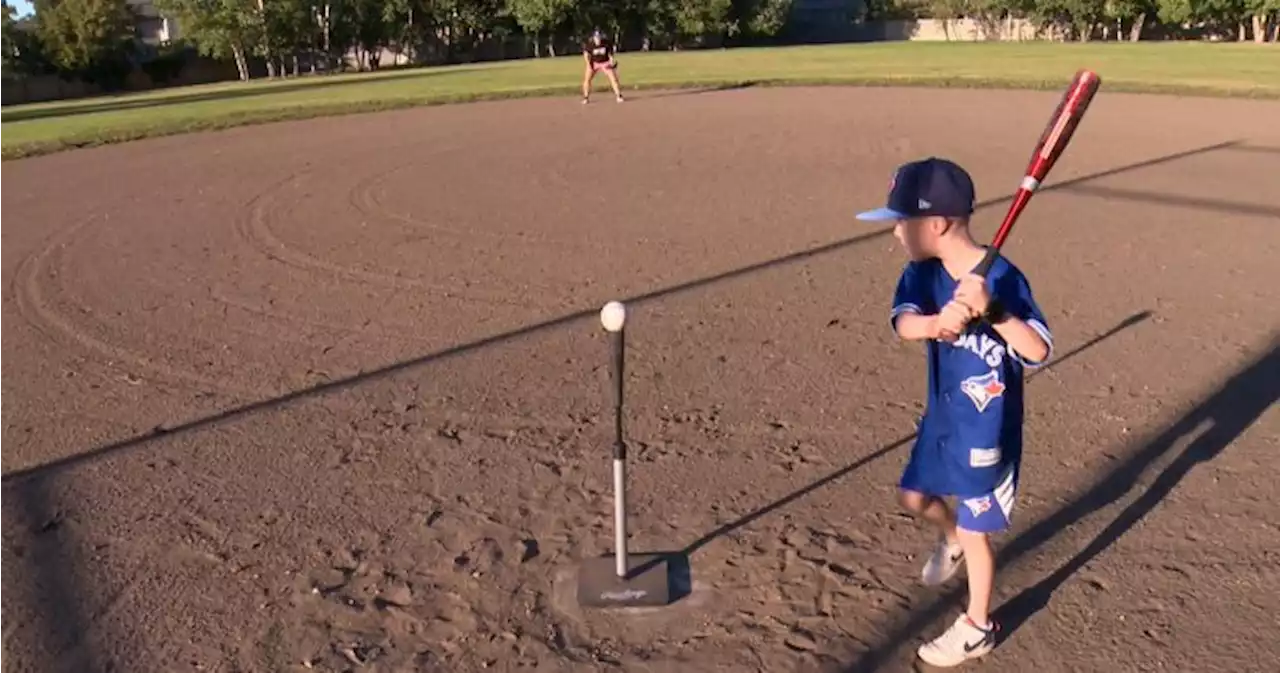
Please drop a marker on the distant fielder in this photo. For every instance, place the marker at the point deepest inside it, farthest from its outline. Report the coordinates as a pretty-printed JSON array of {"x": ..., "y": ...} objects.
[
  {"x": 598, "y": 54},
  {"x": 969, "y": 444}
]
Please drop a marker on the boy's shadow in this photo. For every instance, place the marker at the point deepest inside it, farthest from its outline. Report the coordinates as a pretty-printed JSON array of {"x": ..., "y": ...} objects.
[{"x": 1214, "y": 424}]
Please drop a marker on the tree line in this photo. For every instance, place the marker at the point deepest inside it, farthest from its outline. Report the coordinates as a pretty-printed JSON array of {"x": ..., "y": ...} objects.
[
  {"x": 1129, "y": 20},
  {"x": 97, "y": 39},
  {"x": 284, "y": 32}
]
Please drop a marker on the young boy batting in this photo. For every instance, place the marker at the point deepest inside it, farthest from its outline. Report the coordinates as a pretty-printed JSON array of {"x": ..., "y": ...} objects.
[{"x": 979, "y": 335}]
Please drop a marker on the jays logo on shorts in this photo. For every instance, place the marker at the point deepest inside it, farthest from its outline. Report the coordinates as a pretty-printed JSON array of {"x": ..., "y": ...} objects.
[{"x": 990, "y": 513}]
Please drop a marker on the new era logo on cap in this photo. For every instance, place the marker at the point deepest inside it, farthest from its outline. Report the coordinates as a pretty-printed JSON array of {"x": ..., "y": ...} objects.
[{"x": 927, "y": 187}]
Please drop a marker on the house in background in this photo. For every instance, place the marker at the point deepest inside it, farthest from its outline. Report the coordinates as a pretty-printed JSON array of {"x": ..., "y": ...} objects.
[{"x": 152, "y": 28}]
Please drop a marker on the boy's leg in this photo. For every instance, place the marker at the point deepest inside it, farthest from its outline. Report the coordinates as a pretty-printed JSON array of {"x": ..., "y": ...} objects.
[
  {"x": 974, "y": 634},
  {"x": 933, "y": 509},
  {"x": 923, "y": 475},
  {"x": 981, "y": 567},
  {"x": 947, "y": 556}
]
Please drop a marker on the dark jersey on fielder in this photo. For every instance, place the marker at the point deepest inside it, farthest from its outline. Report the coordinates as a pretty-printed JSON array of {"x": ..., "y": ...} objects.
[
  {"x": 970, "y": 440},
  {"x": 598, "y": 53}
]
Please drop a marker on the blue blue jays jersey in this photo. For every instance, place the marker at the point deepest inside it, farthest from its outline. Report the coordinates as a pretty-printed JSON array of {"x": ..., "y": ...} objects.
[{"x": 971, "y": 434}]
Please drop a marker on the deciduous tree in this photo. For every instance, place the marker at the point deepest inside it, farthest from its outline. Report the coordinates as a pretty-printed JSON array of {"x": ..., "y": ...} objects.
[
  {"x": 10, "y": 34},
  {"x": 537, "y": 17},
  {"x": 88, "y": 38},
  {"x": 219, "y": 28}
]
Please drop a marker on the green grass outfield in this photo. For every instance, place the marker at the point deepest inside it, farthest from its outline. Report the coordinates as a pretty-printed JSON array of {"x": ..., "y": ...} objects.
[{"x": 1244, "y": 70}]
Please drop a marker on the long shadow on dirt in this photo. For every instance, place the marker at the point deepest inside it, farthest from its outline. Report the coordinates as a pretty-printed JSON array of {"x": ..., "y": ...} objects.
[
  {"x": 1178, "y": 200},
  {"x": 40, "y": 549},
  {"x": 659, "y": 92},
  {"x": 749, "y": 518},
  {"x": 382, "y": 372},
  {"x": 1212, "y": 426}
]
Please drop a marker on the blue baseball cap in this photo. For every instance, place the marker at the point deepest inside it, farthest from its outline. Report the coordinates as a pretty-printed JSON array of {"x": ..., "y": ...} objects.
[{"x": 928, "y": 187}]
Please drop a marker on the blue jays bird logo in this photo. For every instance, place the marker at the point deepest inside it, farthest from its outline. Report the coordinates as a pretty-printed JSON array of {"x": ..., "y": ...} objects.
[
  {"x": 978, "y": 506},
  {"x": 983, "y": 389}
]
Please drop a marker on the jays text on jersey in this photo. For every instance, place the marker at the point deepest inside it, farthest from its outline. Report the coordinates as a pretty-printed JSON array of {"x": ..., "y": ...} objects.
[{"x": 971, "y": 434}]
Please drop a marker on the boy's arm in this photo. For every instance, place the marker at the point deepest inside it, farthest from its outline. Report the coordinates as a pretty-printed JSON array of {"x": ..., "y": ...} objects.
[
  {"x": 1018, "y": 319},
  {"x": 912, "y": 299},
  {"x": 909, "y": 304},
  {"x": 912, "y": 326},
  {"x": 1024, "y": 339}
]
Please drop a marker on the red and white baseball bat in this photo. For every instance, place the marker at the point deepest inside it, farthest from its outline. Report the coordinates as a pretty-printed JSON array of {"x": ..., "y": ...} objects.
[{"x": 1075, "y": 101}]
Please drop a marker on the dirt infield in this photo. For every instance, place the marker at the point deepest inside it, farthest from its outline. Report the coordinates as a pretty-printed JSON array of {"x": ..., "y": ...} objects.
[{"x": 331, "y": 395}]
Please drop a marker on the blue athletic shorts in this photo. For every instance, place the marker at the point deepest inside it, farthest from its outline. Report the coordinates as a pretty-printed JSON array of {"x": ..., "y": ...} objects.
[{"x": 988, "y": 513}]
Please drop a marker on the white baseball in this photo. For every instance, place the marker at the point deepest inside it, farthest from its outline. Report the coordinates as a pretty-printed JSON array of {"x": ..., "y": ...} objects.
[{"x": 613, "y": 315}]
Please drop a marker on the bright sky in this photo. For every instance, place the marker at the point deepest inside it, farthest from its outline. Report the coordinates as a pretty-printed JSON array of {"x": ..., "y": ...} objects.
[{"x": 23, "y": 6}]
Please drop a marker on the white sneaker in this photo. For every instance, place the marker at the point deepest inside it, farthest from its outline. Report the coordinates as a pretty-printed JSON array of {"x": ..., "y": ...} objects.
[
  {"x": 961, "y": 642},
  {"x": 943, "y": 563}
]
